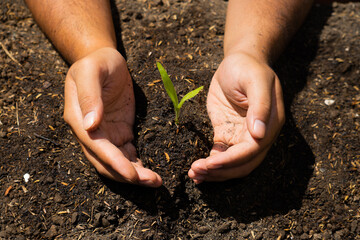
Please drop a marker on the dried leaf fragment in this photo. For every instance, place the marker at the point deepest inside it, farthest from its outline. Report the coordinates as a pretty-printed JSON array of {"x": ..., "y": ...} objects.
[
  {"x": 167, "y": 157},
  {"x": 8, "y": 190}
]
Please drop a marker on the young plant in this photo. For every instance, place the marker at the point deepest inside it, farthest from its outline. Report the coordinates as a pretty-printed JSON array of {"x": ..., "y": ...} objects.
[{"x": 169, "y": 87}]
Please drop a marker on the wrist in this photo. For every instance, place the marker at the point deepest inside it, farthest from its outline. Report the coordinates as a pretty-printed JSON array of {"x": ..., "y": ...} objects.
[
  {"x": 250, "y": 48},
  {"x": 246, "y": 50},
  {"x": 90, "y": 47}
]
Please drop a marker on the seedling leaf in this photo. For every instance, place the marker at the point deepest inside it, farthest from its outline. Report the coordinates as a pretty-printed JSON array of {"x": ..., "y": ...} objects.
[
  {"x": 190, "y": 95},
  {"x": 169, "y": 86}
]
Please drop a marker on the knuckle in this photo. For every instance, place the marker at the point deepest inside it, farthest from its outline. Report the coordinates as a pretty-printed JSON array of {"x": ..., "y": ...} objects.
[
  {"x": 266, "y": 107},
  {"x": 86, "y": 103},
  {"x": 87, "y": 62}
]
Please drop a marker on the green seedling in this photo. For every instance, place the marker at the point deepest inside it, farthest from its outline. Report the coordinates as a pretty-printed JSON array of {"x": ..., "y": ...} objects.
[{"x": 169, "y": 87}]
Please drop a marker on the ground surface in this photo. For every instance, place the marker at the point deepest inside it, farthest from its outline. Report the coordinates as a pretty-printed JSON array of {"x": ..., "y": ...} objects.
[{"x": 307, "y": 187}]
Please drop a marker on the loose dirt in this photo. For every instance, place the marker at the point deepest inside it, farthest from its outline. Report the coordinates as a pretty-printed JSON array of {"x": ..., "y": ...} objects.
[{"x": 306, "y": 188}]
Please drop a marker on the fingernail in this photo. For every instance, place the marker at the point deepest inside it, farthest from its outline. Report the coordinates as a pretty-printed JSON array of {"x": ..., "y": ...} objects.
[
  {"x": 89, "y": 120},
  {"x": 148, "y": 182},
  {"x": 199, "y": 177},
  {"x": 214, "y": 166},
  {"x": 259, "y": 128},
  {"x": 201, "y": 171},
  {"x": 197, "y": 181}
]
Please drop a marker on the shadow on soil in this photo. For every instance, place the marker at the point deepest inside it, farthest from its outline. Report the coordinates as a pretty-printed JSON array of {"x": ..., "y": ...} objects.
[{"x": 279, "y": 184}]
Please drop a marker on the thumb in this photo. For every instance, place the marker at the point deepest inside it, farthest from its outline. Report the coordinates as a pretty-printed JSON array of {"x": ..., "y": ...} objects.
[
  {"x": 259, "y": 96},
  {"x": 89, "y": 90}
]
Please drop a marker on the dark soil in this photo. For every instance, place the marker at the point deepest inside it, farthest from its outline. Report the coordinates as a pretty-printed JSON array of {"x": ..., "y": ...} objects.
[{"x": 306, "y": 188}]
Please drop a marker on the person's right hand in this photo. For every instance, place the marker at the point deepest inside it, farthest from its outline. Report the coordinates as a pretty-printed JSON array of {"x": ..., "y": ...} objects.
[
  {"x": 100, "y": 108},
  {"x": 246, "y": 109}
]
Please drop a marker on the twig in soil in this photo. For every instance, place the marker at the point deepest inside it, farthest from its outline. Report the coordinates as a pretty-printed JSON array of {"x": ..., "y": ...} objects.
[
  {"x": 8, "y": 190},
  {"x": 17, "y": 118},
  {"x": 47, "y": 139},
  {"x": 81, "y": 235},
  {"x": 9, "y": 54}
]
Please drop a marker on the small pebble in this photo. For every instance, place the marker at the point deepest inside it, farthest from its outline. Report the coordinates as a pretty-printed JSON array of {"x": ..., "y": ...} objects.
[
  {"x": 58, "y": 220},
  {"x": 304, "y": 236},
  {"x": 20, "y": 237},
  {"x": 224, "y": 228},
  {"x": 97, "y": 219},
  {"x": 329, "y": 102},
  {"x": 354, "y": 225},
  {"x": 52, "y": 232},
  {"x": 46, "y": 84},
  {"x": 74, "y": 218},
  {"x": 203, "y": 229},
  {"x": 10, "y": 230},
  {"x": 245, "y": 234},
  {"x": 327, "y": 235},
  {"x": 58, "y": 198},
  {"x": 242, "y": 225},
  {"x": 111, "y": 218},
  {"x": 26, "y": 177},
  {"x": 49, "y": 180},
  {"x": 2, "y": 134},
  {"x": 259, "y": 236},
  {"x": 317, "y": 236},
  {"x": 105, "y": 222},
  {"x": 2, "y": 234}
]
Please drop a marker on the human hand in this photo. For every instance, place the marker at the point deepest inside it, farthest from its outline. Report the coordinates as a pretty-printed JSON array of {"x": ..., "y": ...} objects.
[
  {"x": 100, "y": 108},
  {"x": 245, "y": 106}
]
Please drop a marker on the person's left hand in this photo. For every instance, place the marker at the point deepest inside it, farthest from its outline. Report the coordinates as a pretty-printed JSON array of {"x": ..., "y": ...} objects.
[
  {"x": 100, "y": 108},
  {"x": 246, "y": 109}
]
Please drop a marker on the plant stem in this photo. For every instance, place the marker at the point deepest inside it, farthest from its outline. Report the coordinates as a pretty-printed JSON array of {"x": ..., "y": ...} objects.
[{"x": 177, "y": 116}]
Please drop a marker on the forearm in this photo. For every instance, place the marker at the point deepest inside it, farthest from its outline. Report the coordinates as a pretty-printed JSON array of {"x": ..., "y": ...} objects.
[
  {"x": 262, "y": 28},
  {"x": 76, "y": 27}
]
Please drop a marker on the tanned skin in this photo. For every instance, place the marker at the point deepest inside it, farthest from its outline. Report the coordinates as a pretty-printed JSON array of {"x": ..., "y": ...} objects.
[
  {"x": 76, "y": 28},
  {"x": 244, "y": 102}
]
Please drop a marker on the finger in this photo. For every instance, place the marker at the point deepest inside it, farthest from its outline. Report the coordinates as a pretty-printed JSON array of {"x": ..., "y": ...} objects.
[
  {"x": 130, "y": 172},
  {"x": 241, "y": 171},
  {"x": 88, "y": 79},
  {"x": 103, "y": 169},
  {"x": 259, "y": 94},
  {"x": 107, "y": 155},
  {"x": 100, "y": 151},
  {"x": 223, "y": 161},
  {"x": 106, "y": 165},
  {"x": 223, "y": 174},
  {"x": 218, "y": 147},
  {"x": 197, "y": 178},
  {"x": 235, "y": 155},
  {"x": 109, "y": 160},
  {"x": 147, "y": 177},
  {"x": 222, "y": 156}
]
